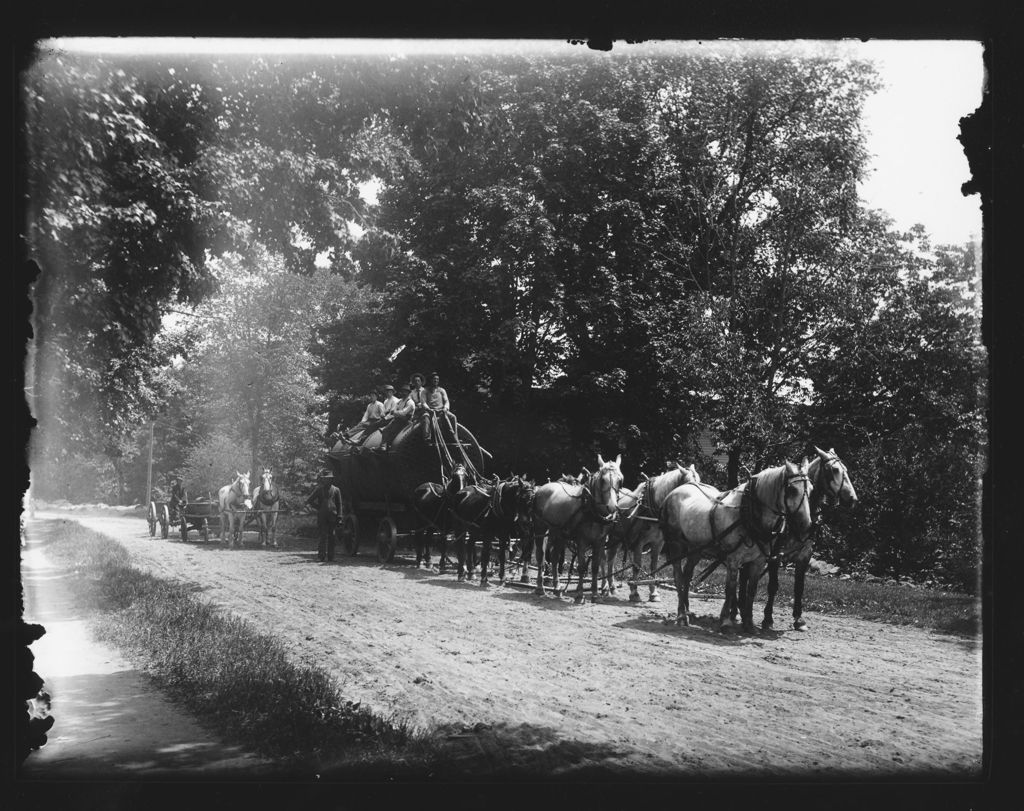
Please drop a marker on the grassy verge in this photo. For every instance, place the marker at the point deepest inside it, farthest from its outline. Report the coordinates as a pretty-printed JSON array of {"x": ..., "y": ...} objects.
[
  {"x": 942, "y": 611},
  {"x": 235, "y": 679}
]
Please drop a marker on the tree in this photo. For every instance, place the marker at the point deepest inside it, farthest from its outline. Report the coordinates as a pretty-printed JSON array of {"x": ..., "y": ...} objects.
[
  {"x": 118, "y": 225},
  {"x": 247, "y": 374}
]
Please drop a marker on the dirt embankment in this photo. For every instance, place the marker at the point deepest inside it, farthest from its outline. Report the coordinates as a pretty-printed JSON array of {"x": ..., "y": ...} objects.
[{"x": 609, "y": 684}]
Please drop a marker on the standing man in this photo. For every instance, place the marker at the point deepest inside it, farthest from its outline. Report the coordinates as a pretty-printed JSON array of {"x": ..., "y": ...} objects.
[
  {"x": 326, "y": 499},
  {"x": 435, "y": 399}
]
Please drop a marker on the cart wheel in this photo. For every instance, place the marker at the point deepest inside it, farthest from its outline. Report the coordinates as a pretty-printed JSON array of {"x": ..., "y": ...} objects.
[
  {"x": 151, "y": 519},
  {"x": 350, "y": 533},
  {"x": 165, "y": 522},
  {"x": 204, "y": 531},
  {"x": 387, "y": 540}
]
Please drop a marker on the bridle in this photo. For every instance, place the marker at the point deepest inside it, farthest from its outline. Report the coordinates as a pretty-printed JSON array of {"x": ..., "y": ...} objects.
[
  {"x": 827, "y": 496},
  {"x": 271, "y": 490},
  {"x": 588, "y": 495},
  {"x": 771, "y": 550}
]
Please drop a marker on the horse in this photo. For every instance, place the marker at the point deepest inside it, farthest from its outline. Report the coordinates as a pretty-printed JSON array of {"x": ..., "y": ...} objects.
[
  {"x": 734, "y": 527},
  {"x": 230, "y": 497},
  {"x": 432, "y": 501},
  {"x": 489, "y": 512},
  {"x": 266, "y": 501},
  {"x": 581, "y": 512},
  {"x": 526, "y": 535},
  {"x": 638, "y": 528},
  {"x": 832, "y": 486}
]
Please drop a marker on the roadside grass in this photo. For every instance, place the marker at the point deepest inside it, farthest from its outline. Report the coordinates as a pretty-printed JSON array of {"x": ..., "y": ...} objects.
[
  {"x": 942, "y": 611},
  {"x": 236, "y": 679}
]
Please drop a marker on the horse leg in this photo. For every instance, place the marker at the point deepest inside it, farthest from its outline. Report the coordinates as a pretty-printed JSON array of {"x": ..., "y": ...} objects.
[
  {"x": 656, "y": 543},
  {"x": 744, "y": 578},
  {"x": 503, "y": 544},
  {"x": 798, "y": 594},
  {"x": 596, "y": 565},
  {"x": 527, "y": 551},
  {"x": 582, "y": 548},
  {"x": 637, "y": 554},
  {"x": 682, "y": 576},
  {"x": 485, "y": 560},
  {"x": 539, "y": 552},
  {"x": 725, "y": 618},
  {"x": 747, "y": 592},
  {"x": 769, "y": 604},
  {"x": 443, "y": 562},
  {"x": 273, "y": 529},
  {"x": 460, "y": 554}
]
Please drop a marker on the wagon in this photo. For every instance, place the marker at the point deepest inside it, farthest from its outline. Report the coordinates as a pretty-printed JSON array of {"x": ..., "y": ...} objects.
[
  {"x": 203, "y": 515},
  {"x": 161, "y": 514},
  {"x": 377, "y": 485}
]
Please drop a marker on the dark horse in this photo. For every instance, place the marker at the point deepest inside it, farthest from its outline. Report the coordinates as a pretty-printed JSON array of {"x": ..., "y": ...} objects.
[
  {"x": 734, "y": 527},
  {"x": 266, "y": 502},
  {"x": 433, "y": 502},
  {"x": 488, "y": 513},
  {"x": 832, "y": 486}
]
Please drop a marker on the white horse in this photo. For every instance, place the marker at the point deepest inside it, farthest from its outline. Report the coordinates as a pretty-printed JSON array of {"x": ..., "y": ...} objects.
[
  {"x": 637, "y": 527},
  {"x": 832, "y": 485},
  {"x": 735, "y": 527},
  {"x": 231, "y": 498}
]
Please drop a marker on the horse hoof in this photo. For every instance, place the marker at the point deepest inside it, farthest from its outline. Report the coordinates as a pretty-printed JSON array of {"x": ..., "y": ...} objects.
[
  {"x": 800, "y": 625},
  {"x": 727, "y": 629},
  {"x": 539, "y": 592},
  {"x": 634, "y": 597},
  {"x": 485, "y": 584},
  {"x": 748, "y": 628},
  {"x": 767, "y": 625},
  {"x": 524, "y": 579},
  {"x": 654, "y": 598}
]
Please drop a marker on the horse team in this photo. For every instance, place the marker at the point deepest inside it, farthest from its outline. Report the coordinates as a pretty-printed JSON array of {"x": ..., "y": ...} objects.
[
  {"x": 766, "y": 522},
  {"x": 235, "y": 498}
]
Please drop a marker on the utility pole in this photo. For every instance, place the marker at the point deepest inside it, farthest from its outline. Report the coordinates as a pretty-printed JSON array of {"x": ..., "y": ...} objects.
[{"x": 149, "y": 467}]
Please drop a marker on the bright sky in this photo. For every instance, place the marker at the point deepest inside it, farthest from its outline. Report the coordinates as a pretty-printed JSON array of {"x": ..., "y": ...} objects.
[{"x": 912, "y": 124}]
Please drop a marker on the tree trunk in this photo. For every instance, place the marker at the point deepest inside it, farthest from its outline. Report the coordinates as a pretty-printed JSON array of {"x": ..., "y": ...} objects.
[{"x": 733, "y": 467}]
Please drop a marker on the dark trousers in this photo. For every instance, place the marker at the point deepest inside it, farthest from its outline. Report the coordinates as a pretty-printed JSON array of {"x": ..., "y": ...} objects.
[
  {"x": 393, "y": 428},
  {"x": 326, "y": 524}
]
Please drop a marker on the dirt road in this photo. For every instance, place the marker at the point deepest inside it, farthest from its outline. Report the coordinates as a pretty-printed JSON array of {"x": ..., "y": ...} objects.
[{"x": 608, "y": 684}]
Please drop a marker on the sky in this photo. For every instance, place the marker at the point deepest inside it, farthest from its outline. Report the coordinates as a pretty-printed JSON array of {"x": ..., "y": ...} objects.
[{"x": 917, "y": 165}]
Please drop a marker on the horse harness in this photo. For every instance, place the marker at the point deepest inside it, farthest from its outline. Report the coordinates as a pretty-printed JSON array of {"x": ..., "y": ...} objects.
[
  {"x": 766, "y": 542},
  {"x": 588, "y": 500}
]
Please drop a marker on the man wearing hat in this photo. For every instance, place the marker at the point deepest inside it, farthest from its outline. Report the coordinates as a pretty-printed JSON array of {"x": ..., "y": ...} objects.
[
  {"x": 326, "y": 499},
  {"x": 179, "y": 498},
  {"x": 390, "y": 401},
  {"x": 399, "y": 418}
]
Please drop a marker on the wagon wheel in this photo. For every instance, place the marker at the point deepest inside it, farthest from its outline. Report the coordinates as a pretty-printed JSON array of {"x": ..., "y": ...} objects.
[
  {"x": 151, "y": 519},
  {"x": 349, "y": 532},
  {"x": 387, "y": 539},
  {"x": 165, "y": 521}
]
